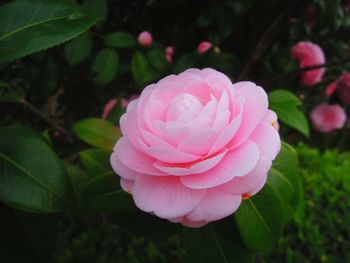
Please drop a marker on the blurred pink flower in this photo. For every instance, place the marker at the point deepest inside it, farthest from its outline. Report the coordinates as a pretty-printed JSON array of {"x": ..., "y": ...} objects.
[
  {"x": 204, "y": 47},
  {"x": 343, "y": 88},
  {"x": 112, "y": 102},
  {"x": 194, "y": 145},
  {"x": 309, "y": 54},
  {"x": 169, "y": 53},
  {"x": 331, "y": 88},
  {"x": 326, "y": 118},
  {"x": 145, "y": 39}
]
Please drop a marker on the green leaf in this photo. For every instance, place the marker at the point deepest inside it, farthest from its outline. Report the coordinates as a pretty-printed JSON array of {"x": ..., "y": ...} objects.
[
  {"x": 117, "y": 111},
  {"x": 216, "y": 242},
  {"x": 120, "y": 40},
  {"x": 260, "y": 220},
  {"x": 28, "y": 26},
  {"x": 141, "y": 69},
  {"x": 97, "y": 7},
  {"x": 78, "y": 179},
  {"x": 284, "y": 97},
  {"x": 286, "y": 162},
  {"x": 103, "y": 195},
  {"x": 95, "y": 161},
  {"x": 97, "y": 132},
  {"x": 281, "y": 184},
  {"x": 78, "y": 49},
  {"x": 285, "y": 103},
  {"x": 32, "y": 177},
  {"x": 184, "y": 62},
  {"x": 157, "y": 59},
  {"x": 105, "y": 66}
]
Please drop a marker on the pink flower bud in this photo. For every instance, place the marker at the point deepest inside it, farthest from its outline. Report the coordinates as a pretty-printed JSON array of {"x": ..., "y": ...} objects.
[
  {"x": 309, "y": 54},
  {"x": 112, "y": 102},
  {"x": 331, "y": 88},
  {"x": 145, "y": 39},
  {"x": 204, "y": 47},
  {"x": 169, "y": 53},
  {"x": 326, "y": 118}
]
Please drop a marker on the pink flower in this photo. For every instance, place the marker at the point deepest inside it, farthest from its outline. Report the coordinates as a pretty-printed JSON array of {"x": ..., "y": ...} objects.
[
  {"x": 204, "y": 47},
  {"x": 145, "y": 39},
  {"x": 326, "y": 118},
  {"x": 193, "y": 144},
  {"x": 169, "y": 53},
  {"x": 112, "y": 102},
  {"x": 343, "y": 88},
  {"x": 309, "y": 54}
]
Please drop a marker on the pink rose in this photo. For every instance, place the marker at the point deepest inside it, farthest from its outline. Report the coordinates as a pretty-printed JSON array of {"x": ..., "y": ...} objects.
[
  {"x": 193, "y": 145},
  {"x": 169, "y": 53},
  {"x": 145, "y": 39},
  {"x": 204, "y": 47},
  {"x": 343, "y": 88},
  {"x": 112, "y": 102},
  {"x": 326, "y": 118},
  {"x": 309, "y": 54}
]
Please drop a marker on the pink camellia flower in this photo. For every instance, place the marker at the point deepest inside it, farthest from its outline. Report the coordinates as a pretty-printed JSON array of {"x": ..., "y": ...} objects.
[
  {"x": 343, "y": 88},
  {"x": 309, "y": 54},
  {"x": 145, "y": 39},
  {"x": 204, "y": 47},
  {"x": 326, "y": 118},
  {"x": 169, "y": 53},
  {"x": 112, "y": 102},
  {"x": 194, "y": 145}
]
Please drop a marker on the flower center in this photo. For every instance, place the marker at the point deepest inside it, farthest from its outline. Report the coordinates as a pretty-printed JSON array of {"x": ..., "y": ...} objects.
[{"x": 183, "y": 108}]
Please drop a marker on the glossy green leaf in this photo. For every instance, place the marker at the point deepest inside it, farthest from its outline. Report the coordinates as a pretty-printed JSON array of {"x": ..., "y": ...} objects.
[
  {"x": 216, "y": 242},
  {"x": 97, "y": 132},
  {"x": 281, "y": 184},
  {"x": 103, "y": 195},
  {"x": 105, "y": 66},
  {"x": 285, "y": 103},
  {"x": 120, "y": 40},
  {"x": 78, "y": 49},
  {"x": 286, "y": 162},
  {"x": 284, "y": 97},
  {"x": 116, "y": 112},
  {"x": 141, "y": 69},
  {"x": 28, "y": 26},
  {"x": 260, "y": 220},
  {"x": 32, "y": 178},
  {"x": 78, "y": 178},
  {"x": 95, "y": 161},
  {"x": 97, "y": 7},
  {"x": 184, "y": 62},
  {"x": 157, "y": 59}
]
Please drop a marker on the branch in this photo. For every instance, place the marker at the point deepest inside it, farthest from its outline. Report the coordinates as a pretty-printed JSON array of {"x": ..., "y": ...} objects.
[
  {"x": 267, "y": 38},
  {"x": 295, "y": 73},
  {"x": 37, "y": 112}
]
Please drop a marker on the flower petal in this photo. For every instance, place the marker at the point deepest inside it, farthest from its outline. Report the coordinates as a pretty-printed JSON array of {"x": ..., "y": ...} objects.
[
  {"x": 135, "y": 159},
  {"x": 237, "y": 162},
  {"x": 165, "y": 196},
  {"x": 216, "y": 204}
]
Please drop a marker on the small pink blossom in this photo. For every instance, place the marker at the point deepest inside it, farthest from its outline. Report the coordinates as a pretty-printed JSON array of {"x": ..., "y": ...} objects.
[
  {"x": 326, "y": 118},
  {"x": 112, "y": 102},
  {"x": 204, "y": 47},
  {"x": 169, "y": 53},
  {"x": 194, "y": 145},
  {"x": 145, "y": 39},
  {"x": 309, "y": 54}
]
